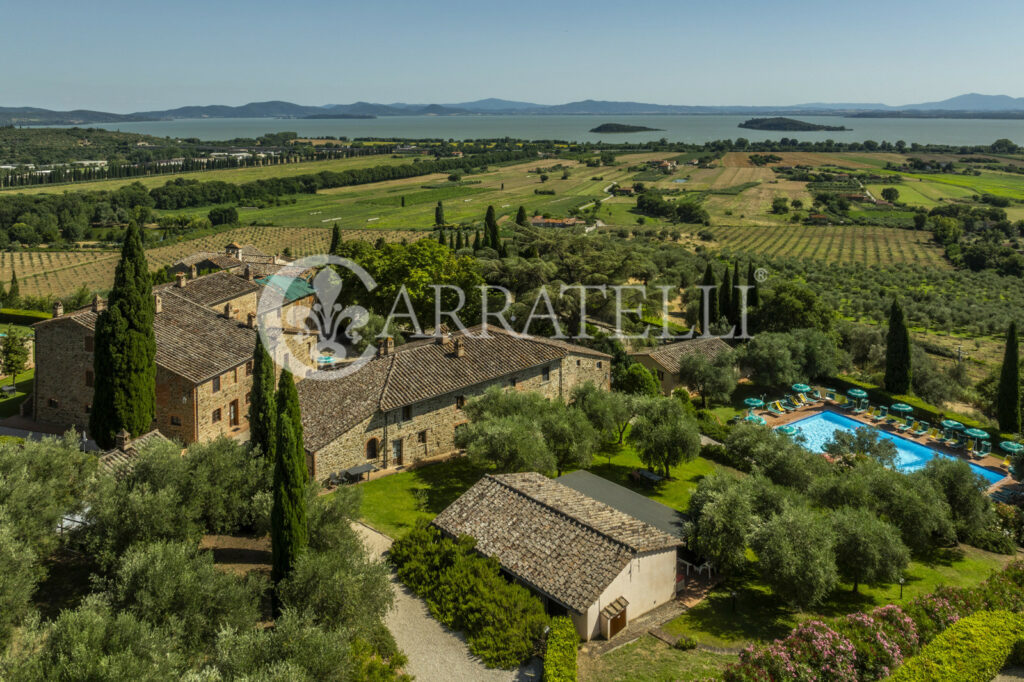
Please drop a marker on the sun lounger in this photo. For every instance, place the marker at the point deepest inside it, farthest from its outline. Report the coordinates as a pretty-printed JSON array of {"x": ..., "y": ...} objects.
[
  {"x": 922, "y": 429},
  {"x": 776, "y": 408},
  {"x": 789, "y": 405},
  {"x": 830, "y": 394},
  {"x": 881, "y": 414},
  {"x": 933, "y": 434},
  {"x": 907, "y": 425},
  {"x": 861, "y": 408},
  {"x": 985, "y": 449},
  {"x": 808, "y": 397},
  {"x": 872, "y": 412}
]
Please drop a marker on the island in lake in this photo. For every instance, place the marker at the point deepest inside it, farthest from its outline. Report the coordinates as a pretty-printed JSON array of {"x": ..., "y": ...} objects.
[
  {"x": 338, "y": 115},
  {"x": 788, "y": 124},
  {"x": 620, "y": 128}
]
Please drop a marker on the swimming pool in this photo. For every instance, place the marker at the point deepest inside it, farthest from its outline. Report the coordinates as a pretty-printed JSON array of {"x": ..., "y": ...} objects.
[{"x": 910, "y": 456}]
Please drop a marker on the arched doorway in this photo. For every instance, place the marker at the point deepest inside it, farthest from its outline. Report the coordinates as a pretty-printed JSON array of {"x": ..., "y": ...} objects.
[{"x": 371, "y": 449}]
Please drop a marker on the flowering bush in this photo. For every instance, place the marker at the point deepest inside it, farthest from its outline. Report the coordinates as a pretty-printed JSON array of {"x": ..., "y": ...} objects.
[
  {"x": 876, "y": 654},
  {"x": 870, "y": 646}
]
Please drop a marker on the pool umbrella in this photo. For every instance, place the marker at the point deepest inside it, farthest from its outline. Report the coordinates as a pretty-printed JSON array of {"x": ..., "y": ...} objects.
[
  {"x": 753, "y": 402},
  {"x": 801, "y": 388},
  {"x": 786, "y": 429},
  {"x": 754, "y": 419},
  {"x": 1011, "y": 447},
  {"x": 857, "y": 393},
  {"x": 952, "y": 424},
  {"x": 976, "y": 433},
  {"x": 901, "y": 407}
]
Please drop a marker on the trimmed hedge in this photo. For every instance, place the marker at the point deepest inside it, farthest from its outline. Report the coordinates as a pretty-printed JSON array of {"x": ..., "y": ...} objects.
[
  {"x": 465, "y": 591},
  {"x": 560, "y": 655},
  {"x": 921, "y": 408},
  {"x": 974, "y": 648},
  {"x": 24, "y": 317}
]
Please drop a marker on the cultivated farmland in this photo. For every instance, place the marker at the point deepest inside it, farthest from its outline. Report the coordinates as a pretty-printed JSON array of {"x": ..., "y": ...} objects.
[{"x": 847, "y": 244}]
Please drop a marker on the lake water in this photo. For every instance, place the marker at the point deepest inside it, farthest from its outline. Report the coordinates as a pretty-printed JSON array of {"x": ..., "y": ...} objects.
[{"x": 676, "y": 128}]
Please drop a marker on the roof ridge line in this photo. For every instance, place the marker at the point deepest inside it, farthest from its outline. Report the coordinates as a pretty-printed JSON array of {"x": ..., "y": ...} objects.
[{"x": 571, "y": 517}]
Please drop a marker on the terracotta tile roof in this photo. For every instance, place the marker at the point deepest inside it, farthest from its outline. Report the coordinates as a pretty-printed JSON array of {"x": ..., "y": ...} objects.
[
  {"x": 221, "y": 260},
  {"x": 417, "y": 371},
  {"x": 562, "y": 542},
  {"x": 192, "y": 341},
  {"x": 669, "y": 355},
  {"x": 209, "y": 290},
  {"x": 120, "y": 460},
  {"x": 615, "y": 608}
]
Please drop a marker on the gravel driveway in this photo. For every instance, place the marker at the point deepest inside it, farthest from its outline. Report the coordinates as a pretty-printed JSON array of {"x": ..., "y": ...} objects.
[{"x": 435, "y": 653}]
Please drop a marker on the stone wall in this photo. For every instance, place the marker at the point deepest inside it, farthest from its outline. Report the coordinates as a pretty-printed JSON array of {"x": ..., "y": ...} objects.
[
  {"x": 61, "y": 395},
  {"x": 669, "y": 381},
  {"x": 427, "y": 428}
]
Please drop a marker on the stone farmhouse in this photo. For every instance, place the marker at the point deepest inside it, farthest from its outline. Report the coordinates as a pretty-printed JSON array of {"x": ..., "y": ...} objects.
[
  {"x": 235, "y": 258},
  {"x": 406, "y": 403},
  {"x": 587, "y": 560},
  {"x": 663, "y": 361},
  {"x": 205, "y": 335}
]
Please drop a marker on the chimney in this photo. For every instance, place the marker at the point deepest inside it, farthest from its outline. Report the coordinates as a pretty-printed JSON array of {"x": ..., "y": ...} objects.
[
  {"x": 229, "y": 311},
  {"x": 441, "y": 337},
  {"x": 385, "y": 347},
  {"x": 251, "y": 321},
  {"x": 195, "y": 272},
  {"x": 460, "y": 347},
  {"x": 122, "y": 439},
  {"x": 98, "y": 304},
  {"x": 58, "y": 309},
  {"x": 180, "y": 277},
  {"x": 248, "y": 273},
  {"x": 158, "y": 304}
]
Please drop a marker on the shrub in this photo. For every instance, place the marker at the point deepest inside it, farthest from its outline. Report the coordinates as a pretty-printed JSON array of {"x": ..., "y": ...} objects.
[
  {"x": 876, "y": 655},
  {"x": 685, "y": 643},
  {"x": 709, "y": 425},
  {"x": 813, "y": 651},
  {"x": 466, "y": 592},
  {"x": 975, "y": 648},
  {"x": 560, "y": 654}
]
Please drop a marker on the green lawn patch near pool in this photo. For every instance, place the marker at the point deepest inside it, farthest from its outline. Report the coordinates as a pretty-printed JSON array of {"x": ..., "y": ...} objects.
[
  {"x": 649, "y": 660},
  {"x": 759, "y": 616},
  {"x": 11, "y": 403}
]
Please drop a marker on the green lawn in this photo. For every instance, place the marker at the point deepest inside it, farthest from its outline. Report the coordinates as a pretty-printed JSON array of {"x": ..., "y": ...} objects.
[
  {"x": 649, "y": 660},
  {"x": 393, "y": 504},
  {"x": 759, "y": 616},
  {"x": 9, "y": 404}
]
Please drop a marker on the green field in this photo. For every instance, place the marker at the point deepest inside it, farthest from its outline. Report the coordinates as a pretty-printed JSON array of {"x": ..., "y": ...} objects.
[
  {"x": 224, "y": 175},
  {"x": 851, "y": 243},
  {"x": 651, "y": 660}
]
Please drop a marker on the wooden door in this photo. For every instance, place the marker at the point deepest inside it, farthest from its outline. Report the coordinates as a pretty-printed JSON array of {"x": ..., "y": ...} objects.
[{"x": 616, "y": 624}]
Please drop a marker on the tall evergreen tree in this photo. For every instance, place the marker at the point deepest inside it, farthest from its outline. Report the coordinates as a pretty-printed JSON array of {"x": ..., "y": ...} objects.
[
  {"x": 737, "y": 298},
  {"x": 13, "y": 298},
  {"x": 521, "y": 218},
  {"x": 458, "y": 240},
  {"x": 451, "y": 241},
  {"x": 124, "y": 360},
  {"x": 492, "y": 238},
  {"x": 288, "y": 401},
  {"x": 476, "y": 241},
  {"x": 897, "y": 352},
  {"x": 754, "y": 295},
  {"x": 440, "y": 238},
  {"x": 725, "y": 295},
  {"x": 263, "y": 404},
  {"x": 1008, "y": 397},
  {"x": 289, "y": 531},
  {"x": 335, "y": 239},
  {"x": 439, "y": 214},
  {"x": 712, "y": 313}
]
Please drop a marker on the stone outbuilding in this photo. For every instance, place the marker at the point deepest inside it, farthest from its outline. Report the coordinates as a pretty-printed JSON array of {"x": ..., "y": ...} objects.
[{"x": 663, "y": 361}]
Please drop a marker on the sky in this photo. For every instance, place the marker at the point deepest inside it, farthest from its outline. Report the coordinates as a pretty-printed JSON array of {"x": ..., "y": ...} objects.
[{"x": 121, "y": 56}]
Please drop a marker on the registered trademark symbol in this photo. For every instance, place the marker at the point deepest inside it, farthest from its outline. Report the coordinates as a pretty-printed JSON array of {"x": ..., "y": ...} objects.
[{"x": 760, "y": 274}]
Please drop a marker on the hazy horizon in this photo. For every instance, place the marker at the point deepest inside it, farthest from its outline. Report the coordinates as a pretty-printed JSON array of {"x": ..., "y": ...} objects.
[{"x": 124, "y": 57}]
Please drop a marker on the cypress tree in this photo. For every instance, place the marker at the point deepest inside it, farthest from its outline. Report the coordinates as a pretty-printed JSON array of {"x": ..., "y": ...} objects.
[
  {"x": 458, "y": 240},
  {"x": 439, "y": 214},
  {"x": 451, "y": 241},
  {"x": 476, "y": 241},
  {"x": 712, "y": 314},
  {"x": 493, "y": 240},
  {"x": 737, "y": 300},
  {"x": 897, "y": 352},
  {"x": 521, "y": 218},
  {"x": 440, "y": 237},
  {"x": 289, "y": 532},
  {"x": 725, "y": 295},
  {"x": 335, "y": 239},
  {"x": 754, "y": 295},
  {"x": 263, "y": 405},
  {"x": 288, "y": 401},
  {"x": 13, "y": 297},
  {"x": 403, "y": 201},
  {"x": 1008, "y": 397},
  {"x": 124, "y": 360}
]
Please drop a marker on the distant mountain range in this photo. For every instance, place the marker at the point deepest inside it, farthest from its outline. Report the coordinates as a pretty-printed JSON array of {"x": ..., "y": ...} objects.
[{"x": 990, "y": 106}]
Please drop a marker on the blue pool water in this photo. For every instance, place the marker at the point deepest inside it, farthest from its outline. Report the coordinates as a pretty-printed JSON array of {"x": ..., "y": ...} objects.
[{"x": 910, "y": 456}]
